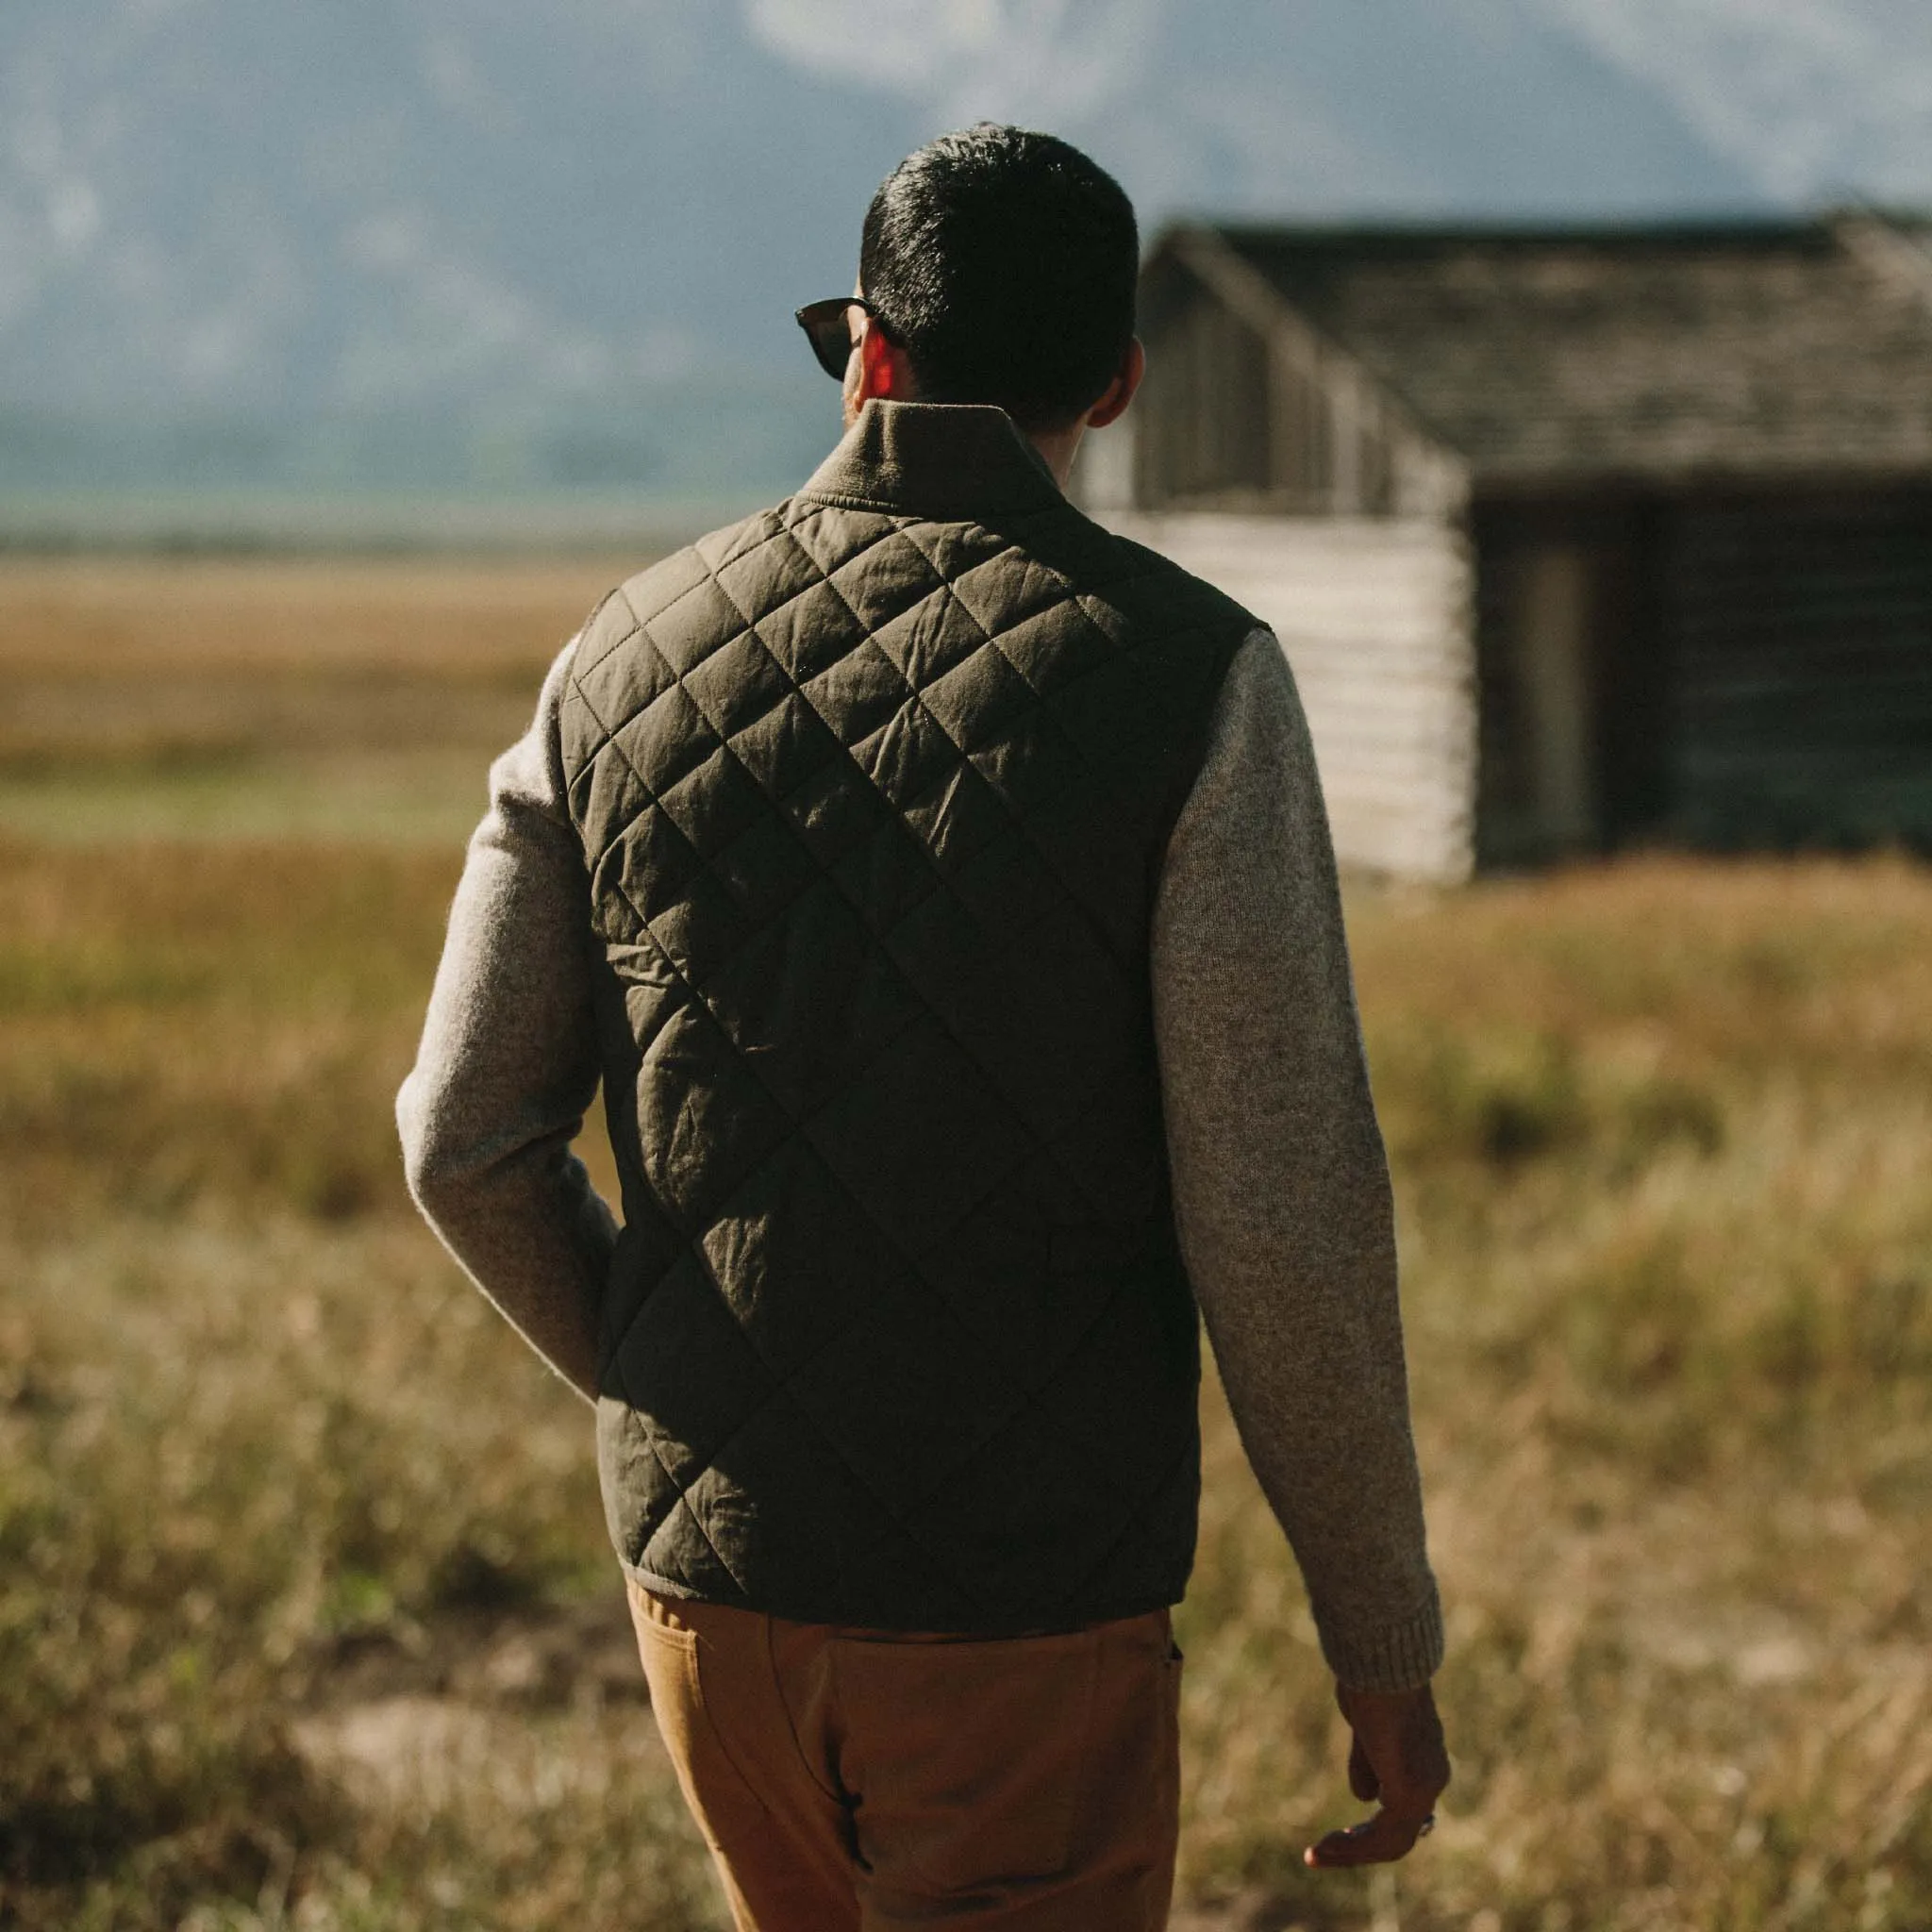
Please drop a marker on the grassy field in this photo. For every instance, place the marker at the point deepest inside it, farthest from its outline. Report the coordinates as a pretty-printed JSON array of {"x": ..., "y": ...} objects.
[
  {"x": 306, "y": 1614},
  {"x": 243, "y": 700}
]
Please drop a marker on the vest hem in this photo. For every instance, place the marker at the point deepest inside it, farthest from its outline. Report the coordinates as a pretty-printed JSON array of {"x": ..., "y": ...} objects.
[{"x": 1086, "y": 1617}]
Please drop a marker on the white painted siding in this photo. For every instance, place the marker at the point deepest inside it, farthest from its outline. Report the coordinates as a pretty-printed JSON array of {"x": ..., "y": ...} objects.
[{"x": 1375, "y": 614}]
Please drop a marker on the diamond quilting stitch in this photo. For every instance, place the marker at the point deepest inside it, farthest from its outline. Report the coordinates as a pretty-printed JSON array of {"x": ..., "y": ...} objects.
[{"x": 784, "y": 758}]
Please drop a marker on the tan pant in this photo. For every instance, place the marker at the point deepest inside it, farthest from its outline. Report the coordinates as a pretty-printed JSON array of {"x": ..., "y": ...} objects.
[{"x": 858, "y": 1781}]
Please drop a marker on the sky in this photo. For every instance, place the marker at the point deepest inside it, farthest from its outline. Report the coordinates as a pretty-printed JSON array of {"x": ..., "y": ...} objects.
[{"x": 472, "y": 239}]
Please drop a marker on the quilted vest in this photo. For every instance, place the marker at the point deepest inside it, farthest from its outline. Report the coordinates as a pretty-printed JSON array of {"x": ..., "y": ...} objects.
[{"x": 873, "y": 791}]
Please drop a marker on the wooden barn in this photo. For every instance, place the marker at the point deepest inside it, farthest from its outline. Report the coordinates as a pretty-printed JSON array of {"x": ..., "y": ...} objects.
[{"x": 1573, "y": 537}]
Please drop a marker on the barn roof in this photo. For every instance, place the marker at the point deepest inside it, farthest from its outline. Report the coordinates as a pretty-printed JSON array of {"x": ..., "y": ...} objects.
[{"x": 1659, "y": 352}]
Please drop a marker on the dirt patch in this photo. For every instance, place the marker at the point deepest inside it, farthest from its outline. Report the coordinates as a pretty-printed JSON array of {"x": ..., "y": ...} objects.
[
  {"x": 416, "y": 1716},
  {"x": 528, "y": 1657}
]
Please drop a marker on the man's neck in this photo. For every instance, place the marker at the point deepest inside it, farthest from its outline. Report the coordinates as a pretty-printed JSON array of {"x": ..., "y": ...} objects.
[{"x": 1057, "y": 448}]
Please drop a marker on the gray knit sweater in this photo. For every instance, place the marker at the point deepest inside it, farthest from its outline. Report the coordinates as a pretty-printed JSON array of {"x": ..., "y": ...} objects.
[{"x": 1281, "y": 1185}]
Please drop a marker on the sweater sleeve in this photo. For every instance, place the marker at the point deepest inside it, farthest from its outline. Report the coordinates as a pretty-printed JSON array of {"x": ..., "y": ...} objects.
[
  {"x": 508, "y": 1064},
  {"x": 1281, "y": 1186}
]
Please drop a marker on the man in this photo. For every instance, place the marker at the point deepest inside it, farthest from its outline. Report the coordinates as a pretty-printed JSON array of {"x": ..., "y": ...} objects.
[{"x": 940, "y": 888}]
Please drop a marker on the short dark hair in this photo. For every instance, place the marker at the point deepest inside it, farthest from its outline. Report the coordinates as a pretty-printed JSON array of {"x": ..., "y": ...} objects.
[{"x": 1004, "y": 263}]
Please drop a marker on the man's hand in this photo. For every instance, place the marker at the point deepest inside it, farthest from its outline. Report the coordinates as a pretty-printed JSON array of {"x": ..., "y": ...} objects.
[{"x": 1397, "y": 1756}]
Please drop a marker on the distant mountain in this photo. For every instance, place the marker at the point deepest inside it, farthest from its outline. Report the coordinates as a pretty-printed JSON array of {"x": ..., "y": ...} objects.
[
  {"x": 1302, "y": 106},
  {"x": 468, "y": 241},
  {"x": 1814, "y": 99},
  {"x": 383, "y": 203}
]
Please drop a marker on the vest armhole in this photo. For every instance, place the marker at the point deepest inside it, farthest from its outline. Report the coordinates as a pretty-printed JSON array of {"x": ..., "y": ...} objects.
[{"x": 1187, "y": 768}]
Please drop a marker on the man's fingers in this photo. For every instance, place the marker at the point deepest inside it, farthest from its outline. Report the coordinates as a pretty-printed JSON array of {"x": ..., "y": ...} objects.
[
  {"x": 1362, "y": 1780},
  {"x": 1396, "y": 1754},
  {"x": 1377, "y": 1840}
]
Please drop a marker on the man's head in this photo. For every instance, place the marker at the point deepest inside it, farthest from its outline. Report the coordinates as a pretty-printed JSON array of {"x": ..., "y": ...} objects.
[
  {"x": 1001, "y": 266},
  {"x": 1005, "y": 263}
]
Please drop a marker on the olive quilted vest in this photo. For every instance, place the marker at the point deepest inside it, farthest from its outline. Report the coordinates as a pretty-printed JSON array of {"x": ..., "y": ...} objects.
[{"x": 873, "y": 791}]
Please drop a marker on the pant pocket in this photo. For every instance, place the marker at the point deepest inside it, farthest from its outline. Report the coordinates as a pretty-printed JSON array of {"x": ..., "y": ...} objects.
[
  {"x": 969, "y": 1761},
  {"x": 674, "y": 1668}
]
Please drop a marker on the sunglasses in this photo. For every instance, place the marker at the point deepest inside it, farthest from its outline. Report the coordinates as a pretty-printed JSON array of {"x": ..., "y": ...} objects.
[{"x": 827, "y": 327}]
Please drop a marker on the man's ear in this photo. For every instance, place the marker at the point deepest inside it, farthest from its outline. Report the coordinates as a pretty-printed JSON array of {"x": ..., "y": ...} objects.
[
  {"x": 883, "y": 371},
  {"x": 1119, "y": 391}
]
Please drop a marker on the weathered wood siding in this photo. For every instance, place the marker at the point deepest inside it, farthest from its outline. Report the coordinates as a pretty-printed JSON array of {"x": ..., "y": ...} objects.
[
  {"x": 1799, "y": 627},
  {"x": 1247, "y": 409},
  {"x": 1374, "y": 616}
]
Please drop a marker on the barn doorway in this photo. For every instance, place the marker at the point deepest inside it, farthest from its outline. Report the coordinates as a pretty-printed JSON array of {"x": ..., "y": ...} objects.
[{"x": 1572, "y": 681}]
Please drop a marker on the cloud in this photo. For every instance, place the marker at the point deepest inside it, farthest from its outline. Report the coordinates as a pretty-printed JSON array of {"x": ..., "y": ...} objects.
[
  {"x": 455, "y": 80},
  {"x": 905, "y": 46},
  {"x": 74, "y": 215},
  {"x": 1040, "y": 60}
]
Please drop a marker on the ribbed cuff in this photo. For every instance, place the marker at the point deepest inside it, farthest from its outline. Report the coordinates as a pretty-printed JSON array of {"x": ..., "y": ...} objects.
[{"x": 1391, "y": 1657}]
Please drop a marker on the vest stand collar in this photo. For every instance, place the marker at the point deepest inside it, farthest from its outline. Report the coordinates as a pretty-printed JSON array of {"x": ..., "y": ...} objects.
[{"x": 936, "y": 459}]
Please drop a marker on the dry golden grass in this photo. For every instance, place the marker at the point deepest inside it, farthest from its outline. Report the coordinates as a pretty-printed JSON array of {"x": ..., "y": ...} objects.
[
  {"x": 103, "y": 617},
  {"x": 1661, "y": 1135},
  {"x": 305, "y": 1615},
  {"x": 259, "y": 698}
]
